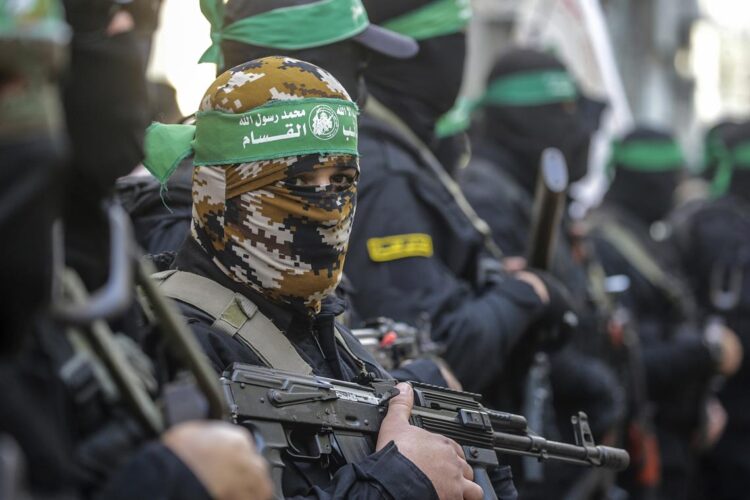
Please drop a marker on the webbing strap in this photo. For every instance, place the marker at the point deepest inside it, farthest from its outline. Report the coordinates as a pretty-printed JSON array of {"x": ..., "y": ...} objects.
[
  {"x": 632, "y": 250},
  {"x": 236, "y": 315}
]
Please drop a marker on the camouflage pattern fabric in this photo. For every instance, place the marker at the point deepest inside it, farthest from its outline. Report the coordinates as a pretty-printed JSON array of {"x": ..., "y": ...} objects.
[{"x": 261, "y": 226}]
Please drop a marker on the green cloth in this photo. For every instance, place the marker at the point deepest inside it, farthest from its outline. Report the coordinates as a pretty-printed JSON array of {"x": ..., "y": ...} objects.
[
  {"x": 441, "y": 17},
  {"x": 531, "y": 88},
  {"x": 647, "y": 156},
  {"x": 286, "y": 28},
  {"x": 457, "y": 120},
  {"x": 736, "y": 158},
  {"x": 40, "y": 20},
  {"x": 275, "y": 130}
]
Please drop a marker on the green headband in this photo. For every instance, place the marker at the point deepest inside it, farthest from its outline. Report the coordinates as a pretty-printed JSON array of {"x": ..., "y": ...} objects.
[
  {"x": 287, "y": 28},
  {"x": 442, "y": 17},
  {"x": 736, "y": 158},
  {"x": 532, "y": 88},
  {"x": 647, "y": 156},
  {"x": 275, "y": 130}
]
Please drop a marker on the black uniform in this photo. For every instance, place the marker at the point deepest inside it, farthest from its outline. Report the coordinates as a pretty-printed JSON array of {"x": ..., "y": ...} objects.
[
  {"x": 580, "y": 377},
  {"x": 677, "y": 362},
  {"x": 714, "y": 237},
  {"x": 58, "y": 424},
  {"x": 499, "y": 182},
  {"x": 161, "y": 215},
  {"x": 577, "y": 379},
  {"x": 386, "y": 473},
  {"x": 477, "y": 321}
]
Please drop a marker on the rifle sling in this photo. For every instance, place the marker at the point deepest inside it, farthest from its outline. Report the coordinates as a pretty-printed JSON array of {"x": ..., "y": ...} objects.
[
  {"x": 632, "y": 250},
  {"x": 235, "y": 315}
]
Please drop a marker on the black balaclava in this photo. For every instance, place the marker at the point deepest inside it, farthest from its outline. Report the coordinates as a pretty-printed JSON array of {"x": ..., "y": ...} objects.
[
  {"x": 107, "y": 110},
  {"x": 646, "y": 193},
  {"x": 29, "y": 203},
  {"x": 525, "y": 131},
  {"x": 345, "y": 60},
  {"x": 421, "y": 89},
  {"x": 735, "y": 138}
]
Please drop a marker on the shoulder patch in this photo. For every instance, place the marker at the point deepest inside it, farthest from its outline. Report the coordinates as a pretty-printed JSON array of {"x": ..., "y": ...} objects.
[{"x": 399, "y": 246}]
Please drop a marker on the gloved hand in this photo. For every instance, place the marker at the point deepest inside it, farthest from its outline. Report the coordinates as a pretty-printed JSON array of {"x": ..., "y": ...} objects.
[{"x": 558, "y": 320}]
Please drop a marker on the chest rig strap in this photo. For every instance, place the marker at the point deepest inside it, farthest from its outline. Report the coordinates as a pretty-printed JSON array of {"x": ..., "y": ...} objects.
[{"x": 235, "y": 315}]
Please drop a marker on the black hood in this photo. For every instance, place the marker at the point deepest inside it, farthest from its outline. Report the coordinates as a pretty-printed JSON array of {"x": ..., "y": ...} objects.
[
  {"x": 648, "y": 196},
  {"x": 30, "y": 199},
  {"x": 525, "y": 131},
  {"x": 421, "y": 89}
]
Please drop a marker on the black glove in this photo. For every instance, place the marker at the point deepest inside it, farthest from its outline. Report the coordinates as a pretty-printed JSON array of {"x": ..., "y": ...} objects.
[{"x": 559, "y": 320}]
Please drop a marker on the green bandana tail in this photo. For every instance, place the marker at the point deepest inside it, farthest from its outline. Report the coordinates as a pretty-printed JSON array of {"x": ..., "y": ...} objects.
[
  {"x": 441, "y": 17},
  {"x": 737, "y": 158},
  {"x": 458, "y": 119},
  {"x": 165, "y": 147},
  {"x": 287, "y": 28}
]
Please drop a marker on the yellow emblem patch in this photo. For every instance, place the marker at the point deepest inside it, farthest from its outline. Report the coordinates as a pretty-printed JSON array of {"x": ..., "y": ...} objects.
[{"x": 399, "y": 246}]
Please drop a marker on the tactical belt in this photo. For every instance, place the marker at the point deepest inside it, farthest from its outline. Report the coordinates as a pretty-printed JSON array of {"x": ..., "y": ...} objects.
[{"x": 236, "y": 315}]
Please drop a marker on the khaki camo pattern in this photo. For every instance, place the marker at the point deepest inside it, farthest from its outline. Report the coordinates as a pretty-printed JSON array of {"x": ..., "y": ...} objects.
[{"x": 261, "y": 227}]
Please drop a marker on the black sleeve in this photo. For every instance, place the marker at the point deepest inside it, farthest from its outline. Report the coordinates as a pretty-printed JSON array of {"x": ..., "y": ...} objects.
[
  {"x": 423, "y": 370},
  {"x": 385, "y": 474},
  {"x": 584, "y": 383},
  {"x": 477, "y": 327},
  {"x": 155, "y": 473},
  {"x": 672, "y": 364}
]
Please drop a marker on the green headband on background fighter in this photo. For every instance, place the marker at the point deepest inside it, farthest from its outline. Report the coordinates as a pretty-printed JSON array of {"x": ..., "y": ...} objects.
[
  {"x": 535, "y": 87},
  {"x": 33, "y": 50},
  {"x": 295, "y": 25},
  {"x": 645, "y": 169},
  {"x": 654, "y": 155}
]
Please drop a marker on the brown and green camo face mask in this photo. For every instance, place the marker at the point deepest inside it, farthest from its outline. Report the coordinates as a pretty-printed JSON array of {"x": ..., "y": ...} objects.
[
  {"x": 261, "y": 224},
  {"x": 285, "y": 240}
]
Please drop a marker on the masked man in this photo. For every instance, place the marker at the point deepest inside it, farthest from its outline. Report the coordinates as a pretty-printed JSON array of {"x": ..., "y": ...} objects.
[{"x": 274, "y": 194}]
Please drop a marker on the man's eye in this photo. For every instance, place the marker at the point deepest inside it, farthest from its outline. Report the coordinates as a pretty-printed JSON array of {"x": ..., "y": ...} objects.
[{"x": 343, "y": 180}]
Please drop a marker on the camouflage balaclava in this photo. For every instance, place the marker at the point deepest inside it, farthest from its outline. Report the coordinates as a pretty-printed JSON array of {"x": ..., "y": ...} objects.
[{"x": 262, "y": 227}]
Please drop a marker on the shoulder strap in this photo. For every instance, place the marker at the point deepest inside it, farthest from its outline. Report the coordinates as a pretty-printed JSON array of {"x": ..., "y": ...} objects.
[
  {"x": 378, "y": 110},
  {"x": 632, "y": 250},
  {"x": 236, "y": 315}
]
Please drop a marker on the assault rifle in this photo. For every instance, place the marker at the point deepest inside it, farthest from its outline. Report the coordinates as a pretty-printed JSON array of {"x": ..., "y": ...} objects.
[{"x": 305, "y": 417}]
